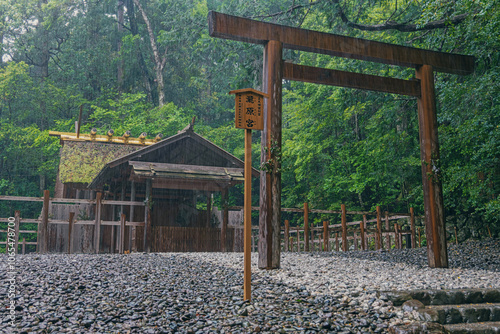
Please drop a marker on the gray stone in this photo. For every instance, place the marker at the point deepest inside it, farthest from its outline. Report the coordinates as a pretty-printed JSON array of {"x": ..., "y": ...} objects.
[{"x": 412, "y": 304}]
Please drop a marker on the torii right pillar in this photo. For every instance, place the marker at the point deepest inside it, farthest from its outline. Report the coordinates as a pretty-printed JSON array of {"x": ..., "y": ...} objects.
[
  {"x": 270, "y": 179},
  {"x": 431, "y": 177}
]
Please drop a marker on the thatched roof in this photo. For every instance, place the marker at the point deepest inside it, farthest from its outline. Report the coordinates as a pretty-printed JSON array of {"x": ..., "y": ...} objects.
[{"x": 81, "y": 161}]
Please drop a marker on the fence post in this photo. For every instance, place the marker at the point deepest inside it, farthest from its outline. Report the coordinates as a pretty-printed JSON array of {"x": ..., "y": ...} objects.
[
  {"x": 132, "y": 230},
  {"x": 298, "y": 239},
  {"x": 412, "y": 227},
  {"x": 97, "y": 228},
  {"x": 456, "y": 236},
  {"x": 400, "y": 236},
  {"x": 112, "y": 245},
  {"x": 344, "y": 228},
  {"x": 121, "y": 247},
  {"x": 43, "y": 241},
  {"x": 17, "y": 221},
  {"x": 70, "y": 230},
  {"x": 147, "y": 217},
  {"x": 337, "y": 241},
  {"x": 378, "y": 234},
  {"x": 387, "y": 234},
  {"x": 396, "y": 237},
  {"x": 407, "y": 237},
  {"x": 419, "y": 238},
  {"x": 253, "y": 243},
  {"x": 326, "y": 237},
  {"x": 362, "y": 232},
  {"x": 320, "y": 241},
  {"x": 24, "y": 246},
  {"x": 225, "y": 220},
  {"x": 287, "y": 236},
  {"x": 306, "y": 227}
]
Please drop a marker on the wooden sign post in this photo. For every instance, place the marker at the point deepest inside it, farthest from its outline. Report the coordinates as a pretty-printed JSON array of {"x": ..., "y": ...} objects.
[{"x": 249, "y": 115}]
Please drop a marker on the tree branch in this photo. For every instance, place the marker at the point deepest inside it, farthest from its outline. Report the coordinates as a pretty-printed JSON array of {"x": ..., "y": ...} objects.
[
  {"x": 404, "y": 27},
  {"x": 289, "y": 10}
]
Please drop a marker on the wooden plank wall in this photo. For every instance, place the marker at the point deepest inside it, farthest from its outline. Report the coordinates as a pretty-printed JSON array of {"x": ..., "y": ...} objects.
[
  {"x": 83, "y": 235},
  {"x": 189, "y": 239}
]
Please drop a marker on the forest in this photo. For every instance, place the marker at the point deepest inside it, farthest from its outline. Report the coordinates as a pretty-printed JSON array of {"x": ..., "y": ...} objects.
[{"x": 151, "y": 66}]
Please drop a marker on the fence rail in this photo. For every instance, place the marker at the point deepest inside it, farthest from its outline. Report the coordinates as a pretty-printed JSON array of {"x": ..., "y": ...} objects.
[
  {"x": 376, "y": 233},
  {"x": 43, "y": 221}
]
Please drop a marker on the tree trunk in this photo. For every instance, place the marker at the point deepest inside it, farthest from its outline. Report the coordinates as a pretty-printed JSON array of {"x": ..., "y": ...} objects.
[
  {"x": 158, "y": 60},
  {"x": 119, "y": 70},
  {"x": 142, "y": 64},
  {"x": 43, "y": 62}
]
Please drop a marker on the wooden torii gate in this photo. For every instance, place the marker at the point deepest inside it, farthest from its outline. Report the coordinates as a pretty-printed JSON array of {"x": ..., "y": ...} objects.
[{"x": 276, "y": 37}]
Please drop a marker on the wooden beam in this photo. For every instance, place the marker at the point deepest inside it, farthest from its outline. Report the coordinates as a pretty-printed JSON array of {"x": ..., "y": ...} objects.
[
  {"x": 131, "y": 214},
  {"x": 251, "y": 31},
  {"x": 148, "y": 238},
  {"x": 306, "y": 227},
  {"x": 388, "y": 236},
  {"x": 70, "y": 136},
  {"x": 286, "y": 237},
  {"x": 351, "y": 80},
  {"x": 209, "y": 209},
  {"x": 225, "y": 219},
  {"x": 362, "y": 233},
  {"x": 412, "y": 229},
  {"x": 43, "y": 227},
  {"x": 157, "y": 167},
  {"x": 344, "y": 228},
  {"x": 17, "y": 220},
  {"x": 270, "y": 181},
  {"x": 70, "y": 230},
  {"x": 247, "y": 220},
  {"x": 23, "y": 199},
  {"x": 179, "y": 184},
  {"x": 431, "y": 175},
  {"x": 326, "y": 237},
  {"x": 97, "y": 231},
  {"x": 378, "y": 235},
  {"x": 121, "y": 246}
]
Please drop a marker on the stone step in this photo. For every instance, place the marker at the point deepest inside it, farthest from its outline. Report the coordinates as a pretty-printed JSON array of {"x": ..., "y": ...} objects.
[
  {"x": 456, "y": 314},
  {"x": 443, "y": 297},
  {"x": 435, "y": 328},
  {"x": 475, "y": 328}
]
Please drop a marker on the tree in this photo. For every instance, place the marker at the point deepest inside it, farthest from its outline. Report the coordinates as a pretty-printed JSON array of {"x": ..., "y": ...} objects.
[{"x": 159, "y": 60}]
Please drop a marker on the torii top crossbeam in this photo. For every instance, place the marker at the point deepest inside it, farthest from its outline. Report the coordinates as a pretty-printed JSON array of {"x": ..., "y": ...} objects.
[{"x": 251, "y": 31}]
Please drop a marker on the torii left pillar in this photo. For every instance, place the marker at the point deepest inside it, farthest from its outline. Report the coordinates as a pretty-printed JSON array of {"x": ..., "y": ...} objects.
[
  {"x": 270, "y": 179},
  {"x": 435, "y": 229}
]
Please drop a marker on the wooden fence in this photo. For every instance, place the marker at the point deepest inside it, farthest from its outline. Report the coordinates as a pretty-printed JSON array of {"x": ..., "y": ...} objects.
[
  {"x": 43, "y": 222},
  {"x": 18, "y": 232},
  {"x": 378, "y": 232}
]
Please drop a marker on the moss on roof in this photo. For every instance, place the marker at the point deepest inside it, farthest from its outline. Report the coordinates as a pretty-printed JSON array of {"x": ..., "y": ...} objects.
[{"x": 82, "y": 161}]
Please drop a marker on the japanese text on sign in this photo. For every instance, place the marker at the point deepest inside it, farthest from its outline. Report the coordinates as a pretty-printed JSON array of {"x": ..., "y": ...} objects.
[{"x": 249, "y": 111}]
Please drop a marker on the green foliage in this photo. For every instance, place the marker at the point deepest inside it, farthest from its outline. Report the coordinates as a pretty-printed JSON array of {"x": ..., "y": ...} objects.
[
  {"x": 28, "y": 165},
  {"x": 131, "y": 112}
]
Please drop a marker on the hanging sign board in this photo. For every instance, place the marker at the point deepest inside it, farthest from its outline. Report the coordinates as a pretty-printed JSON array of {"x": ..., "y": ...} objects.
[{"x": 249, "y": 110}]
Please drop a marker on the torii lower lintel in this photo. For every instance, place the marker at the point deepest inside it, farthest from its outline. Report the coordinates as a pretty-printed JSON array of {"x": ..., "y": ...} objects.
[{"x": 275, "y": 38}]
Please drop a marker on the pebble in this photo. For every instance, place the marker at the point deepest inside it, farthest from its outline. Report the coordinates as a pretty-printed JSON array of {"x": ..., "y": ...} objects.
[{"x": 327, "y": 292}]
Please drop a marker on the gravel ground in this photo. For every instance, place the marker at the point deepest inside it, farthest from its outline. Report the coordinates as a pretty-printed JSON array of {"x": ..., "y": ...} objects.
[{"x": 202, "y": 292}]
